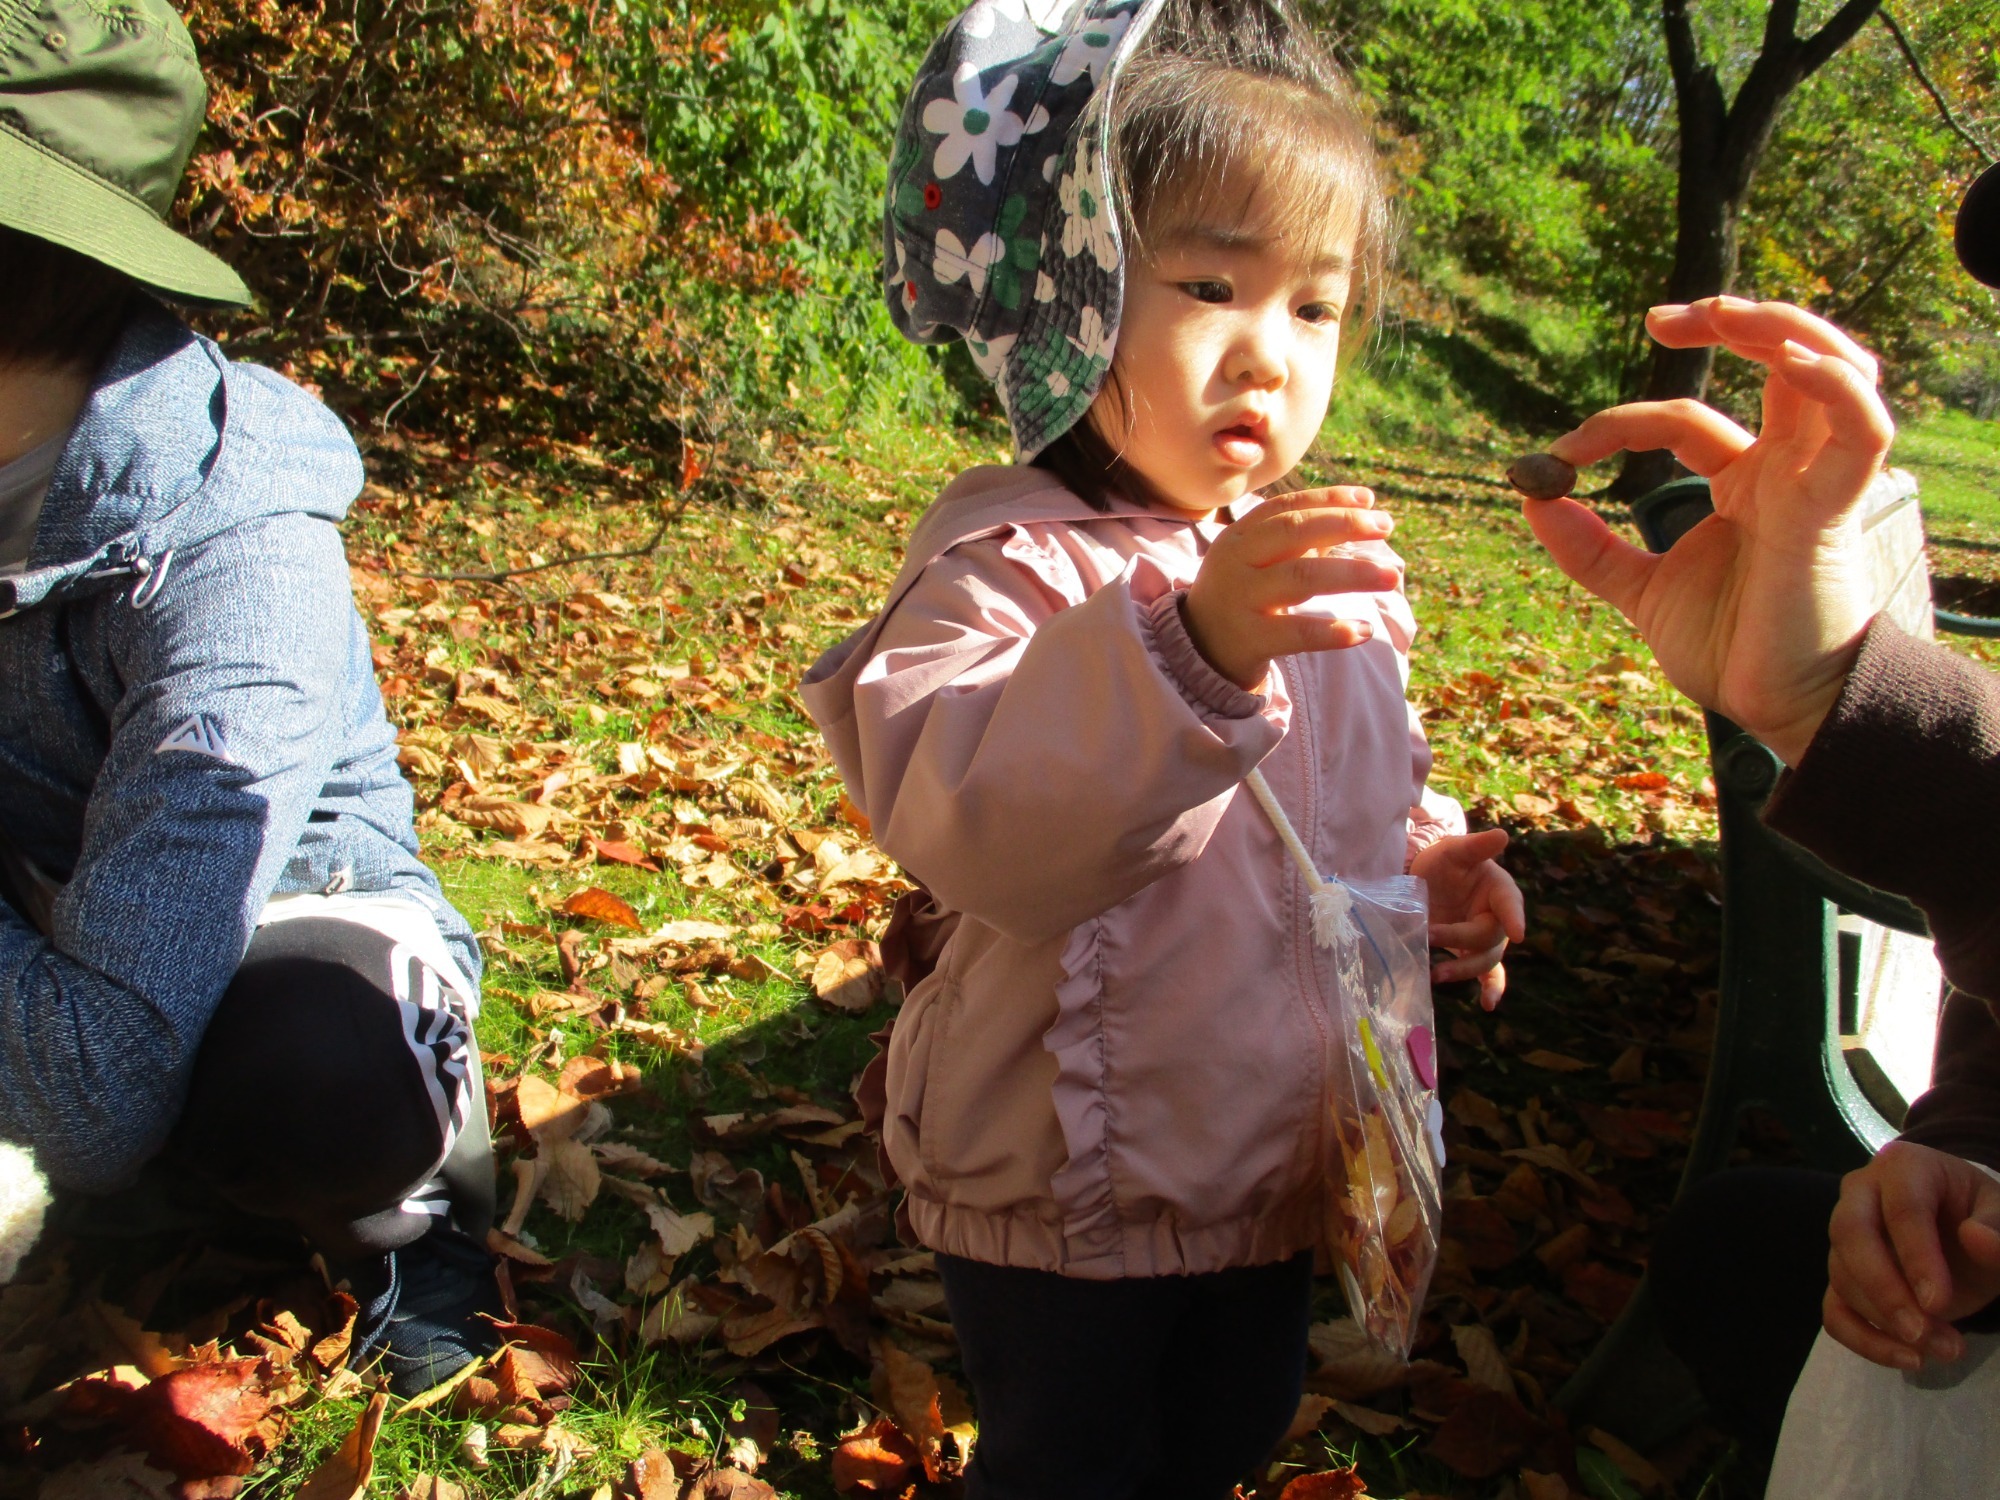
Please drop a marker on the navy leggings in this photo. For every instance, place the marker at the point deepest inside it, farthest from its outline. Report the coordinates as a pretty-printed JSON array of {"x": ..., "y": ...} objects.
[{"x": 1168, "y": 1387}]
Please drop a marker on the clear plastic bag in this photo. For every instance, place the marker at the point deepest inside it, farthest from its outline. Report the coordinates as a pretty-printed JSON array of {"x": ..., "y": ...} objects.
[{"x": 1385, "y": 1209}]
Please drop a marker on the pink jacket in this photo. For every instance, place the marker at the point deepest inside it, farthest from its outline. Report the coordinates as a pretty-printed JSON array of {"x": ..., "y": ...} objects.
[{"x": 1120, "y": 1065}]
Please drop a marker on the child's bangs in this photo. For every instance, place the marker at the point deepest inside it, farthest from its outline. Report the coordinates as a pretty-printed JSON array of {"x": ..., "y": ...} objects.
[{"x": 1260, "y": 157}]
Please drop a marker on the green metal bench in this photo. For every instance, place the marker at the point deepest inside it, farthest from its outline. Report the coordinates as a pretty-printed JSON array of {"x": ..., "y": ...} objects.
[{"x": 1798, "y": 943}]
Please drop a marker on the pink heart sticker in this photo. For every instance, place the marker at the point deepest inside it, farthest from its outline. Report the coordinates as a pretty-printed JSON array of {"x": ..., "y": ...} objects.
[{"x": 1423, "y": 1053}]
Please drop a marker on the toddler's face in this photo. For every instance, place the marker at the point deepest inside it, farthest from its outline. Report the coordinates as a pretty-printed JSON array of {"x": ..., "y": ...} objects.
[{"x": 1226, "y": 359}]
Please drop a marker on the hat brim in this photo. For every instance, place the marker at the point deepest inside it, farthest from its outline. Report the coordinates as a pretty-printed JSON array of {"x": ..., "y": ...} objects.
[{"x": 50, "y": 197}]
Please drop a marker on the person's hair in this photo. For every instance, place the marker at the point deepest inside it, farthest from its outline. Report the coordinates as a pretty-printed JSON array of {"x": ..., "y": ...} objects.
[
  {"x": 58, "y": 308},
  {"x": 1218, "y": 97}
]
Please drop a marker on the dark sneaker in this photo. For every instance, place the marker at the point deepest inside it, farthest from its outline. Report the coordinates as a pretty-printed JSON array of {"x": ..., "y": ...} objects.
[{"x": 433, "y": 1315}]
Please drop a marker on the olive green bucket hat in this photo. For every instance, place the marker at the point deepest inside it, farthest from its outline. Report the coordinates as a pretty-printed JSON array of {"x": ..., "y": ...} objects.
[{"x": 100, "y": 104}]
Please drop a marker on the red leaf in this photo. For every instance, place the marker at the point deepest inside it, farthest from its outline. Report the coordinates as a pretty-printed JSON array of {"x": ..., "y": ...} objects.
[
  {"x": 600, "y": 905},
  {"x": 1599, "y": 1290},
  {"x": 204, "y": 1421},
  {"x": 545, "y": 1356},
  {"x": 1340, "y": 1484},
  {"x": 1489, "y": 1240},
  {"x": 618, "y": 852}
]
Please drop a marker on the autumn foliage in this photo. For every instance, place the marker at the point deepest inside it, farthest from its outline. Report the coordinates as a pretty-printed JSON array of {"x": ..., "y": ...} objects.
[{"x": 451, "y": 223}]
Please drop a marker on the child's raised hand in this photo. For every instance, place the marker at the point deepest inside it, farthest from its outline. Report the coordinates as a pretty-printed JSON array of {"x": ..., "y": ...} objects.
[
  {"x": 1476, "y": 909},
  {"x": 1236, "y": 608}
]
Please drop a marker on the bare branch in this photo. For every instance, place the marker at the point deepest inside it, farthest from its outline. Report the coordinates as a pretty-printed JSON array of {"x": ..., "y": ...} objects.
[
  {"x": 1937, "y": 95},
  {"x": 1839, "y": 30},
  {"x": 1683, "y": 52},
  {"x": 502, "y": 575}
]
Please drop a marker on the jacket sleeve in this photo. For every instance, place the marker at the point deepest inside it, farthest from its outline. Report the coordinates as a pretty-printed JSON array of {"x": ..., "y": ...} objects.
[
  {"x": 219, "y": 745},
  {"x": 1035, "y": 762},
  {"x": 1900, "y": 788}
]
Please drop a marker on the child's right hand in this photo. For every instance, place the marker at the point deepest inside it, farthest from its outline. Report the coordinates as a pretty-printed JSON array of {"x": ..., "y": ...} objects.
[{"x": 1237, "y": 607}]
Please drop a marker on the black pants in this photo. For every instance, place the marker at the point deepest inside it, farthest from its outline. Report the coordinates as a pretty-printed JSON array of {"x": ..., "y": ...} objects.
[
  {"x": 1167, "y": 1387},
  {"x": 336, "y": 1090},
  {"x": 1739, "y": 1270}
]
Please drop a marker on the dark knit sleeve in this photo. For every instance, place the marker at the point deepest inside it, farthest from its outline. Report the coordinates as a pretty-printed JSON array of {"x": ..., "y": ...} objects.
[{"x": 1900, "y": 788}]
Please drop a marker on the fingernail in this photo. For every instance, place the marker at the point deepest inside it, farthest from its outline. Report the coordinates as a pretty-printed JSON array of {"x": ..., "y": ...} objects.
[
  {"x": 1909, "y": 1327},
  {"x": 1666, "y": 309},
  {"x": 1909, "y": 1359},
  {"x": 1945, "y": 1347},
  {"x": 1798, "y": 352},
  {"x": 1927, "y": 1293}
]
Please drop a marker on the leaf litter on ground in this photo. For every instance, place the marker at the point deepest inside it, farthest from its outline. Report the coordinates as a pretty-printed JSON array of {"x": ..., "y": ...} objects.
[{"x": 680, "y": 911}]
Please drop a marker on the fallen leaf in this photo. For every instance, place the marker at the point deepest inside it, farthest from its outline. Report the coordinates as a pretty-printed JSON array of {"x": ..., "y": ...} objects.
[
  {"x": 1634, "y": 1465},
  {"x": 620, "y": 852},
  {"x": 650, "y": 1476},
  {"x": 599, "y": 905},
  {"x": 344, "y": 1474},
  {"x": 547, "y": 1112},
  {"x": 1351, "y": 1365},
  {"x": 1337, "y": 1484},
  {"x": 678, "y": 1233},
  {"x": 1312, "y": 1411},
  {"x": 1485, "y": 1433},
  {"x": 1555, "y": 1062},
  {"x": 1545, "y": 1486},
  {"x": 1484, "y": 1362},
  {"x": 878, "y": 1460},
  {"x": 1599, "y": 1290},
  {"x": 570, "y": 1185},
  {"x": 848, "y": 976},
  {"x": 1488, "y": 1238},
  {"x": 1367, "y": 1419},
  {"x": 120, "y": 1476}
]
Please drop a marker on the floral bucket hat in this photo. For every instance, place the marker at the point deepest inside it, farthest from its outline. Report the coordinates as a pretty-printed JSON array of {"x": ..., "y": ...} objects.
[{"x": 999, "y": 223}]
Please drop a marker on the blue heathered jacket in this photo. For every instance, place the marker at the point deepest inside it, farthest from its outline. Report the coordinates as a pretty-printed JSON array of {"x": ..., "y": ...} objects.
[{"x": 189, "y": 725}]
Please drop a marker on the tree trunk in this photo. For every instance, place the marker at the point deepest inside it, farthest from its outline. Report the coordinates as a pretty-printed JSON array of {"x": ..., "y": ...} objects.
[{"x": 1721, "y": 145}]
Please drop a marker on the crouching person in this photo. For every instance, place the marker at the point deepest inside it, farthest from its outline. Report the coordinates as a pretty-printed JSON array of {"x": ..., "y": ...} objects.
[{"x": 222, "y": 966}]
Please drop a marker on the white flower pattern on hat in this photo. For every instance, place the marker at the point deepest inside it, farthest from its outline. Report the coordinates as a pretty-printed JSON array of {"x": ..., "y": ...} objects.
[
  {"x": 1086, "y": 221},
  {"x": 990, "y": 355},
  {"x": 1088, "y": 50},
  {"x": 954, "y": 262},
  {"x": 974, "y": 124}
]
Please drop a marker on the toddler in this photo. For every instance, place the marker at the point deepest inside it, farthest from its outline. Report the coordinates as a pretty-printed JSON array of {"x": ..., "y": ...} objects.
[{"x": 1152, "y": 221}]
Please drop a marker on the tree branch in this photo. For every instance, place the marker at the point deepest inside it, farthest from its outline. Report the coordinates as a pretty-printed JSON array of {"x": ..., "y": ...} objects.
[
  {"x": 502, "y": 575},
  {"x": 1937, "y": 95},
  {"x": 1839, "y": 30},
  {"x": 1683, "y": 53}
]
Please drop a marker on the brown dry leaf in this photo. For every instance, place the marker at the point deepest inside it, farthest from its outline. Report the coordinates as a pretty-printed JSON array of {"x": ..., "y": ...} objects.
[
  {"x": 570, "y": 1185},
  {"x": 1367, "y": 1419},
  {"x": 678, "y": 1232},
  {"x": 433, "y": 1487},
  {"x": 599, "y": 905},
  {"x": 876, "y": 1460},
  {"x": 1483, "y": 1360},
  {"x": 1545, "y": 1486},
  {"x": 121, "y": 1476},
  {"x": 330, "y": 1353},
  {"x": 1312, "y": 1411},
  {"x": 344, "y": 1475},
  {"x": 848, "y": 976},
  {"x": 1485, "y": 1433},
  {"x": 621, "y": 1157},
  {"x": 1555, "y": 1062},
  {"x": 1631, "y": 1463},
  {"x": 529, "y": 852},
  {"x": 908, "y": 1390},
  {"x": 505, "y": 815},
  {"x": 556, "y": 1364},
  {"x": 650, "y": 1476},
  {"x": 1337, "y": 1484},
  {"x": 1566, "y": 1249},
  {"x": 1483, "y": 1231},
  {"x": 751, "y": 1333},
  {"x": 717, "y": 1181},
  {"x": 732, "y": 1484},
  {"x": 1350, "y": 1365},
  {"x": 124, "y": 1341},
  {"x": 547, "y": 1112}
]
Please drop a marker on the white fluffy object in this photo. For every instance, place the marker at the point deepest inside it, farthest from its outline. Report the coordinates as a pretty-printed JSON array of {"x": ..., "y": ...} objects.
[{"x": 24, "y": 1197}]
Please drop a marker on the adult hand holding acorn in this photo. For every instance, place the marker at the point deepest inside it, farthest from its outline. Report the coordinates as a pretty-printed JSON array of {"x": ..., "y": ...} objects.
[{"x": 1758, "y": 612}]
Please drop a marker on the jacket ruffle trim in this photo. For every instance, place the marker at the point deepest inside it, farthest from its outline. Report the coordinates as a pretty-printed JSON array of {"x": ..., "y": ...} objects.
[{"x": 1082, "y": 1188}]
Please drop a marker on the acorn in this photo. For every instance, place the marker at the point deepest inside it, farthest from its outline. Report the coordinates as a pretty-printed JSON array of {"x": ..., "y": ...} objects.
[{"x": 1542, "y": 476}]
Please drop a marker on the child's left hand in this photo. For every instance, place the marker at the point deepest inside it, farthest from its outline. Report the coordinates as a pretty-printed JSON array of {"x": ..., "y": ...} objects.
[{"x": 1476, "y": 909}]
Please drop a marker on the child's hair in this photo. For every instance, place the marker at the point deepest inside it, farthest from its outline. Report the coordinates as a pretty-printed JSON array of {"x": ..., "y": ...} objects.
[
  {"x": 1217, "y": 95},
  {"x": 58, "y": 308}
]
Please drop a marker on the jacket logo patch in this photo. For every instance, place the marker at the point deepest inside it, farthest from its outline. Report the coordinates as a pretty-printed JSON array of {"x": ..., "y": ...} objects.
[{"x": 199, "y": 735}]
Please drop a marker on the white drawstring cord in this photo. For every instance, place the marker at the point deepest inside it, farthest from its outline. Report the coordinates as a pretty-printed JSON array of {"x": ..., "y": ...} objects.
[{"x": 1332, "y": 901}]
